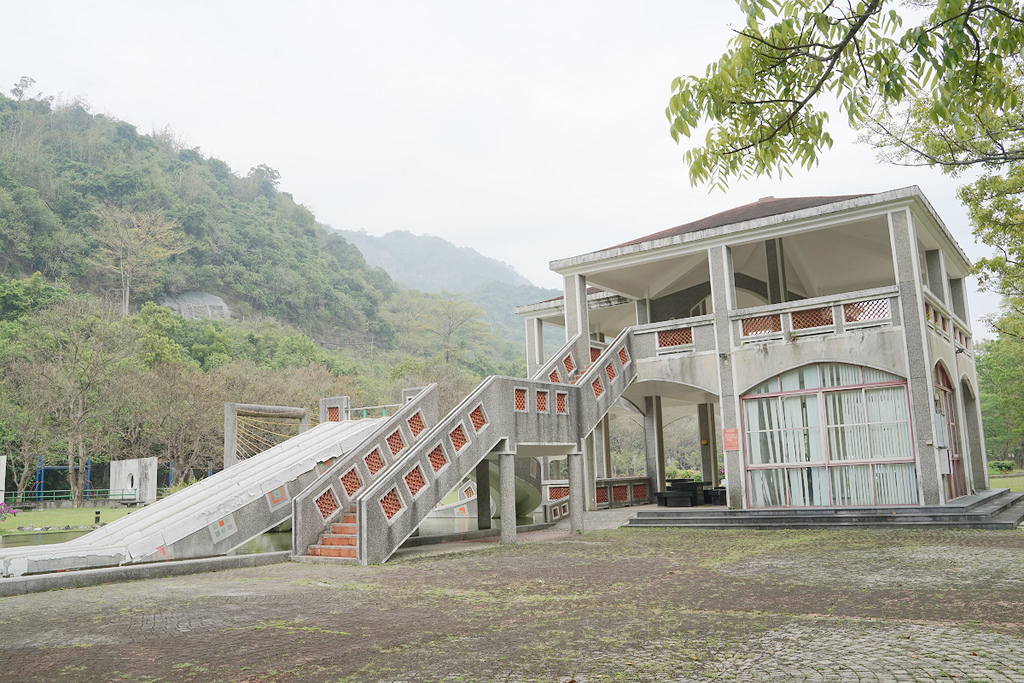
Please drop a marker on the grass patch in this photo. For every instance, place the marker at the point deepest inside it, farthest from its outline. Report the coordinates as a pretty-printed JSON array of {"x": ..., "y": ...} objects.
[
  {"x": 60, "y": 517},
  {"x": 1012, "y": 483}
]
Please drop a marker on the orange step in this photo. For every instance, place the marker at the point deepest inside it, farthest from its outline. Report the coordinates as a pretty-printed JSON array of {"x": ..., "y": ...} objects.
[
  {"x": 338, "y": 539},
  {"x": 333, "y": 551}
]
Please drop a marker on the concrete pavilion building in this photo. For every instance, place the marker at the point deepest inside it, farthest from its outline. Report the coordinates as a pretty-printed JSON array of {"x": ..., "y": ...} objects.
[{"x": 826, "y": 341}]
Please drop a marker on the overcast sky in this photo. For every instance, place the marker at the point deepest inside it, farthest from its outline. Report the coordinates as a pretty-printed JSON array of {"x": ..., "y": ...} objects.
[{"x": 529, "y": 131}]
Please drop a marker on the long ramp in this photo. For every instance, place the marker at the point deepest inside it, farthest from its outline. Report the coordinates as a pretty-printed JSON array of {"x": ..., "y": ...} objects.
[{"x": 211, "y": 517}]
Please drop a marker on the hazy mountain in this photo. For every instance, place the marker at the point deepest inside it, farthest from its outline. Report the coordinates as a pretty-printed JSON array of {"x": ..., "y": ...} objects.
[{"x": 429, "y": 263}]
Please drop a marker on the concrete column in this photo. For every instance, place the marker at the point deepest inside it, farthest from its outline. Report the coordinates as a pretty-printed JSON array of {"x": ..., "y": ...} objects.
[
  {"x": 590, "y": 471},
  {"x": 576, "y": 493},
  {"x": 708, "y": 442},
  {"x": 936, "y": 264},
  {"x": 973, "y": 438},
  {"x": 958, "y": 300},
  {"x": 577, "y": 320},
  {"x": 483, "y": 494},
  {"x": 920, "y": 377},
  {"x": 654, "y": 442},
  {"x": 3, "y": 477},
  {"x": 507, "y": 485},
  {"x": 643, "y": 311},
  {"x": 230, "y": 435},
  {"x": 534, "y": 345},
  {"x": 776, "y": 271},
  {"x": 603, "y": 444},
  {"x": 720, "y": 265}
]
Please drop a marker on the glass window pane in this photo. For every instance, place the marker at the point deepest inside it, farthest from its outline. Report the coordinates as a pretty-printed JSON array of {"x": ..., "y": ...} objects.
[
  {"x": 887, "y": 404},
  {"x": 839, "y": 375},
  {"x": 768, "y": 387},
  {"x": 803, "y": 445},
  {"x": 895, "y": 484},
  {"x": 851, "y": 485},
  {"x": 762, "y": 413},
  {"x": 800, "y": 411},
  {"x": 767, "y": 488},
  {"x": 848, "y": 443},
  {"x": 807, "y": 486},
  {"x": 801, "y": 378},
  {"x": 765, "y": 448},
  {"x": 890, "y": 441},
  {"x": 844, "y": 407},
  {"x": 871, "y": 376}
]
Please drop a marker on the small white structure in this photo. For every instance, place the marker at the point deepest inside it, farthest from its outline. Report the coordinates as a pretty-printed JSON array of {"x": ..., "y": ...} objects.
[{"x": 133, "y": 480}]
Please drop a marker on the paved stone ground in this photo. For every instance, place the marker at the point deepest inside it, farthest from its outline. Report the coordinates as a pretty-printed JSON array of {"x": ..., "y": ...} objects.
[{"x": 610, "y": 605}]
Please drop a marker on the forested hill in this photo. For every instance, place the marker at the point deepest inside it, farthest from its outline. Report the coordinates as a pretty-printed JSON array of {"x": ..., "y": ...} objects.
[
  {"x": 61, "y": 166},
  {"x": 431, "y": 264}
]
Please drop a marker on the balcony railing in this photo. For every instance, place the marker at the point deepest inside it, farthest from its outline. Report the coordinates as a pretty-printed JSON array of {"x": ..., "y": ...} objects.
[
  {"x": 821, "y": 315},
  {"x": 943, "y": 323}
]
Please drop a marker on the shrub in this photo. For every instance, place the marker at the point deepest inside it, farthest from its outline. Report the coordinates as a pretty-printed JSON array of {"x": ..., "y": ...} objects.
[{"x": 1001, "y": 466}]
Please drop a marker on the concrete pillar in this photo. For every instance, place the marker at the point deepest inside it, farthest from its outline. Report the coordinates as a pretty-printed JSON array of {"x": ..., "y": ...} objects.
[
  {"x": 708, "y": 442},
  {"x": 507, "y": 486},
  {"x": 776, "y": 271},
  {"x": 534, "y": 345},
  {"x": 577, "y": 319},
  {"x": 936, "y": 264},
  {"x": 920, "y": 377},
  {"x": 483, "y": 494},
  {"x": 576, "y": 493},
  {"x": 643, "y": 311},
  {"x": 230, "y": 434},
  {"x": 720, "y": 266},
  {"x": 340, "y": 406},
  {"x": 603, "y": 445},
  {"x": 590, "y": 471},
  {"x": 654, "y": 442},
  {"x": 3, "y": 477},
  {"x": 958, "y": 300},
  {"x": 974, "y": 440}
]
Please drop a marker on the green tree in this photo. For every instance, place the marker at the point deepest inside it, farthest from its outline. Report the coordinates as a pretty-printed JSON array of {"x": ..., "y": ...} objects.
[
  {"x": 956, "y": 68},
  {"x": 76, "y": 351},
  {"x": 456, "y": 322},
  {"x": 1001, "y": 389},
  {"x": 134, "y": 243}
]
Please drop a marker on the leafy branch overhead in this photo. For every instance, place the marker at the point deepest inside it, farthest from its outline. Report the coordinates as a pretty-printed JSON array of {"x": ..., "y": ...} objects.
[{"x": 953, "y": 66}]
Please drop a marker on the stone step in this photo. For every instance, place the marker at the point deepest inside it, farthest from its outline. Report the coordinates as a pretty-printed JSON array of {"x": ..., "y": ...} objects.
[
  {"x": 343, "y": 529},
  {"x": 333, "y": 551},
  {"x": 338, "y": 539}
]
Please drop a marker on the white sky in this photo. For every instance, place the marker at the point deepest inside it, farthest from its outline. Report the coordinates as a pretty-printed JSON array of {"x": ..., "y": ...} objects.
[{"x": 529, "y": 131}]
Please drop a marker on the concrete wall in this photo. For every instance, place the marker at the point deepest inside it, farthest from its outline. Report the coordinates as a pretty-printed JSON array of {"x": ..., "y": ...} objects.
[{"x": 138, "y": 475}]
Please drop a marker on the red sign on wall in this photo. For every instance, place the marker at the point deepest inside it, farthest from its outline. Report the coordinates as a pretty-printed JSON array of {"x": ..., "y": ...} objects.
[{"x": 731, "y": 439}]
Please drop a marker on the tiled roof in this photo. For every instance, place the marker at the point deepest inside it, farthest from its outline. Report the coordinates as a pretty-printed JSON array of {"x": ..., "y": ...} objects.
[{"x": 767, "y": 206}]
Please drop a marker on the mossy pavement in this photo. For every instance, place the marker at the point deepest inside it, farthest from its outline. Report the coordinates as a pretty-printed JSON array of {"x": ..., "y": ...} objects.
[{"x": 608, "y": 605}]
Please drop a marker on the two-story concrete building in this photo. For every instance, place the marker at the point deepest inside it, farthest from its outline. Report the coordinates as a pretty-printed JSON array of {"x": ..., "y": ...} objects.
[{"x": 825, "y": 340}]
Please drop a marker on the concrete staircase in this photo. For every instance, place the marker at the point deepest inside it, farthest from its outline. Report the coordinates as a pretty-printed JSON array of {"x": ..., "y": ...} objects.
[
  {"x": 547, "y": 415},
  {"x": 340, "y": 540},
  {"x": 992, "y": 509}
]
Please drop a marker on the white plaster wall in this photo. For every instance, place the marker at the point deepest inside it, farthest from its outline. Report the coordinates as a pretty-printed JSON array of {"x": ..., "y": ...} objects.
[{"x": 138, "y": 474}]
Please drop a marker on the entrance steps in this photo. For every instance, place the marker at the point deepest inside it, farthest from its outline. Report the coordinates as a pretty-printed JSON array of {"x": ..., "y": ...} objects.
[
  {"x": 339, "y": 540},
  {"x": 992, "y": 509}
]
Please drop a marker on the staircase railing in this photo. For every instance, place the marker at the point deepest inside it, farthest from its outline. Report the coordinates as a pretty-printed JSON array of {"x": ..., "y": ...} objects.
[
  {"x": 323, "y": 501},
  {"x": 499, "y": 416}
]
